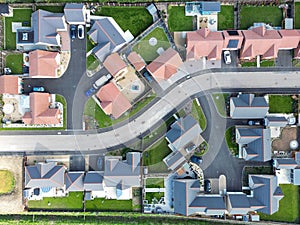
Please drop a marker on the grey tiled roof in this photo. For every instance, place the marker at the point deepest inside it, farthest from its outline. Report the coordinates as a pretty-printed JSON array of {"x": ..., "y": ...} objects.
[
  {"x": 247, "y": 106},
  {"x": 74, "y": 13},
  {"x": 211, "y": 6},
  {"x": 74, "y": 181},
  {"x": 174, "y": 160},
  {"x": 287, "y": 163},
  {"x": 93, "y": 181},
  {"x": 44, "y": 175},
  {"x": 239, "y": 204},
  {"x": 273, "y": 121}
]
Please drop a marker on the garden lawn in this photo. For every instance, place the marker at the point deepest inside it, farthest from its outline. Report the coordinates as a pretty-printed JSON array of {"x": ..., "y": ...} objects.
[
  {"x": 253, "y": 14},
  {"x": 20, "y": 15},
  {"x": 220, "y": 103},
  {"x": 155, "y": 183},
  {"x": 91, "y": 62},
  {"x": 152, "y": 195},
  {"x": 61, "y": 99},
  {"x": 198, "y": 114},
  {"x": 54, "y": 9},
  {"x": 147, "y": 51},
  {"x": 280, "y": 104},
  {"x": 14, "y": 62},
  {"x": 230, "y": 140},
  {"x": 226, "y": 17},
  {"x": 177, "y": 21},
  {"x": 109, "y": 205},
  {"x": 297, "y": 15},
  {"x": 134, "y": 19},
  {"x": 7, "y": 183},
  {"x": 71, "y": 202},
  {"x": 289, "y": 210}
]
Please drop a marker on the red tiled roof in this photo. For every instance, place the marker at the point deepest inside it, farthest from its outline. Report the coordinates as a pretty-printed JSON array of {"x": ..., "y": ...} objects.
[
  {"x": 40, "y": 113},
  {"x": 9, "y": 84},
  {"x": 136, "y": 60},
  {"x": 290, "y": 39},
  {"x": 113, "y": 102},
  {"x": 43, "y": 63},
  {"x": 165, "y": 65},
  {"x": 227, "y": 37},
  {"x": 114, "y": 63}
]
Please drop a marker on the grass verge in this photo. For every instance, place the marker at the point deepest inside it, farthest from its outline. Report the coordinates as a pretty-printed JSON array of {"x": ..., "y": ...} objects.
[
  {"x": 91, "y": 62},
  {"x": 7, "y": 183},
  {"x": 62, "y": 100},
  {"x": 230, "y": 140},
  {"x": 177, "y": 21},
  {"x": 198, "y": 114},
  {"x": 220, "y": 103}
]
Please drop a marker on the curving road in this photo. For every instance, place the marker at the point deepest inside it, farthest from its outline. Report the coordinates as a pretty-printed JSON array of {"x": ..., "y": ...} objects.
[{"x": 173, "y": 99}]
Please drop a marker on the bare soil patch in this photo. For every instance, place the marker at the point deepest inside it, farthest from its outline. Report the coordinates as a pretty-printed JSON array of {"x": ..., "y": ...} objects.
[{"x": 283, "y": 143}]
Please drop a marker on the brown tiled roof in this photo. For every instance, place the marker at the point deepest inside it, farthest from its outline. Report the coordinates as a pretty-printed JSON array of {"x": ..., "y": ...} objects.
[
  {"x": 40, "y": 113},
  {"x": 43, "y": 63},
  {"x": 136, "y": 60},
  {"x": 165, "y": 65},
  {"x": 114, "y": 63},
  {"x": 290, "y": 39},
  {"x": 9, "y": 84},
  {"x": 113, "y": 102}
]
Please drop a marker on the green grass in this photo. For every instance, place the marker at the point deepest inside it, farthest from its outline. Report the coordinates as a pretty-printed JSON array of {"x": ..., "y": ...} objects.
[
  {"x": 103, "y": 204},
  {"x": 198, "y": 114},
  {"x": 156, "y": 154},
  {"x": 61, "y": 99},
  {"x": 89, "y": 44},
  {"x": 91, "y": 62},
  {"x": 281, "y": 104},
  {"x": 20, "y": 15},
  {"x": 14, "y": 62},
  {"x": 268, "y": 14},
  {"x": 230, "y": 140},
  {"x": 226, "y": 17},
  {"x": 7, "y": 183},
  {"x": 202, "y": 149},
  {"x": 54, "y": 9},
  {"x": 220, "y": 103},
  {"x": 177, "y": 21},
  {"x": 155, "y": 183},
  {"x": 134, "y": 19},
  {"x": 296, "y": 62},
  {"x": 263, "y": 63},
  {"x": 152, "y": 195},
  {"x": 147, "y": 51},
  {"x": 71, "y": 202},
  {"x": 297, "y": 15},
  {"x": 289, "y": 210}
]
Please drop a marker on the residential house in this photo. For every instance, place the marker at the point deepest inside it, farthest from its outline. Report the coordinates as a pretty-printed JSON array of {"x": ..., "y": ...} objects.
[
  {"x": 137, "y": 61},
  {"x": 204, "y": 43},
  {"x": 115, "y": 66},
  {"x": 108, "y": 36},
  {"x": 112, "y": 101},
  {"x": 40, "y": 111},
  {"x": 202, "y": 8},
  {"x": 254, "y": 143},
  {"x": 45, "y": 32},
  {"x": 74, "y": 181},
  {"x": 93, "y": 185},
  {"x": 233, "y": 39},
  {"x": 44, "y": 180},
  {"x": 75, "y": 13},
  {"x": 44, "y": 64},
  {"x": 247, "y": 106},
  {"x": 188, "y": 201},
  {"x": 276, "y": 121},
  {"x": 120, "y": 176},
  {"x": 289, "y": 39},
  {"x": 183, "y": 137},
  {"x": 165, "y": 65},
  {"x": 9, "y": 84}
]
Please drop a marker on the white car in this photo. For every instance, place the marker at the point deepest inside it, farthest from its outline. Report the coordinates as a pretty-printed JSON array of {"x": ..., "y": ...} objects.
[
  {"x": 80, "y": 31},
  {"x": 227, "y": 57}
]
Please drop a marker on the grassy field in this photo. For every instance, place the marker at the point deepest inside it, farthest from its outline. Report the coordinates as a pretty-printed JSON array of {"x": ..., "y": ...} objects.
[
  {"x": 155, "y": 183},
  {"x": 7, "y": 183},
  {"x": 267, "y": 14},
  {"x": 14, "y": 62},
  {"x": 20, "y": 15},
  {"x": 103, "y": 204},
  {"x": 230, "y": 140},
  {"x": 289, "y": 209},
  {"x": 73, "y": 201},
  {"x": 280, "y": 104},
  {"x": 297, "y": 15},
  {"x": 226, "y": 17},
  {"x": 220, "y": 103},
  {"x": 54, "y": 9},
  {"x": 147, "y": 51},
  {"x": 135, "y": 19},
  {"x": 198, "y": 114},
  {"x": 177, "y": 21},
  {"x": 61, "y": 99},
  {"x": 91, "y": 62},
  {"x": 154, "y": 155}
]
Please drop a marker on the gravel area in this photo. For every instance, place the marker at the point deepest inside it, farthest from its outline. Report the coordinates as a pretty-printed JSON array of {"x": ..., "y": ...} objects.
[
  {"x": 13, "y": 203},
  {"x": 283, "y": 143}
]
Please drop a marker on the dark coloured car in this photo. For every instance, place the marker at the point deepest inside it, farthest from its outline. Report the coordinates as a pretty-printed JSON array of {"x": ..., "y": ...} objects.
[
  {"x": 73, "y": 31},
  {"x": 80, "y": 29},
  {"x": 207, "y": 186},
  {"x": 89, "y": 92},
  {"x": 196, "y": 159},
  {"x": 147, "y": 76}
]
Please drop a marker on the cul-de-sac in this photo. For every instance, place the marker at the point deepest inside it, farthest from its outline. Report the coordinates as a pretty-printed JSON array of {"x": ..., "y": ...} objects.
[{"x": 149, "y": 112}]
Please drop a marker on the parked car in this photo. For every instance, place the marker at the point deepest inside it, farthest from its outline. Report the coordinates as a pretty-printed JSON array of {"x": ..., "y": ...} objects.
[
  {"x": 207, "y": 186},
  {"x": 147, "y": 76},
  {"x": 102, "y": 80},
  {"x": 39, "y": 89},
  {"x": 89, "y": 92},
  {"x": 254, "y": 122},
  {"x": 227, "y": 57},
  {"x": 80, "y": 30},
  {"x": 196, "y": 159},
  {"x": 73, "y": 31}
]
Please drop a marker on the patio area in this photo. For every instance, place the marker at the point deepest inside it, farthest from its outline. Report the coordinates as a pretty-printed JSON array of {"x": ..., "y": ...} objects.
[{"x": 12, "y": 109}]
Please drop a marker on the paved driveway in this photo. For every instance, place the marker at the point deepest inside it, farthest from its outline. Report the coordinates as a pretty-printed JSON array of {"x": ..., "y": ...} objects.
[{"x": 284, "y": 58}]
